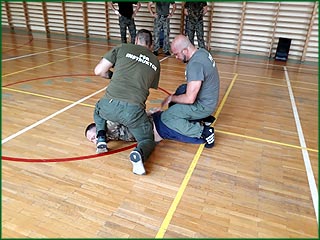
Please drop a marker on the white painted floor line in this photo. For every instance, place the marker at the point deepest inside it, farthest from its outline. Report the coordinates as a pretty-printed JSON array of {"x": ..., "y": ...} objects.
[
  {"x": 53, "y": 115},
  {"x": 37, "y": 53},
  {"x": 305, "y": 154},
  {"x": 49, "y": 117}
]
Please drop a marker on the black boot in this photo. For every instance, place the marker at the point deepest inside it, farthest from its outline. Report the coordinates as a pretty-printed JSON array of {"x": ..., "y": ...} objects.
[
  {"x": 208, "y": 135},
  {"x": 208, "y": 120}
]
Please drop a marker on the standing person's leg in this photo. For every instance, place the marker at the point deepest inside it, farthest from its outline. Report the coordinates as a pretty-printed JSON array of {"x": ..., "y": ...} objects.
[
  {"x": 186, "y": 29},
  {"x": 190, "y": 29},
  {"x": 166, "y": 32},
  {"x": 200, "y": 33},
  {"x": 123, "y": 29},
  {"x": 156, "y": 35},
  {"x": 132, "y": 30}
]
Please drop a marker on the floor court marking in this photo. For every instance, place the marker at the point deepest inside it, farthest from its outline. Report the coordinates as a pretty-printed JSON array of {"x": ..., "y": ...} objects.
[
  {"x": 252, "y": 81},
  {"x": 69, "y": 159},
  {"x": 191, "y": 168},
  {"x": 52, "y": 76},
  {"x": 45, "y": 96},
  {"x": 56, "y": 113},
  {"x": 278, "y": 85},
  {"x": 19, "y": 45},
  {"x": 305, "y": 154},
  {"x": 50, "y": 116},
  {"x": 38, "y": 53},
  {"x": 73, "y": 41},
  {"x": 269, "y": 64},
  {"x": 218, "y": 58},
  {"x": 165, "y": 224},
  {"x": 42, "y": 65},
  {"x": 258, "y": 82},
  {"x": 221, "y": 131},
  {"x": 266, "y": 140},
  {"x": 90, "y": 105}
]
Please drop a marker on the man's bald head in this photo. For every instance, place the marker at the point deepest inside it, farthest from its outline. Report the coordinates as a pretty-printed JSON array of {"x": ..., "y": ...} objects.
[
  {"x": 182, "y": 48},
  {"x": 180, "y": 42}
]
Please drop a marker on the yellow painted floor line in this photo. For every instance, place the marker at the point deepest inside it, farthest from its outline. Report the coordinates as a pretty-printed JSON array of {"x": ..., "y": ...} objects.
[
  {"x": 266, "y": 140},
  {"x": 279, "y": 85},
  {"x": 216, "y": 115},
  {"x": 50, "y": 116},
  {"x": 176, "y": 201},
  {"x": 219, "y": 131},
  {"x": 45, "y": 96},
  {"x": 43, "y": 65}
]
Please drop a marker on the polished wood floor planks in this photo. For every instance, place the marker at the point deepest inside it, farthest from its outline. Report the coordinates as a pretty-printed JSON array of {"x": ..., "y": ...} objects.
[{"x": 252, "y": 184}]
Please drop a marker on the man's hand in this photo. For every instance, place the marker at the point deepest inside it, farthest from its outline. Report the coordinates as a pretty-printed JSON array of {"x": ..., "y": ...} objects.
[
  {"x": 153, "y": 110},
  {"x": 102, "y": 67}
]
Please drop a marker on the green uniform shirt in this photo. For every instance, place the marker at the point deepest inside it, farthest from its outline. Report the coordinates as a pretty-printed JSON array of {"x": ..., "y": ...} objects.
[{"x": 136, "y": 70}]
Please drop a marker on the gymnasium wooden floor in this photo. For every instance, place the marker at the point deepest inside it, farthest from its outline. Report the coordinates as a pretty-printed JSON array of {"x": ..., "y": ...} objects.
[{"x": 259, "y": 181}]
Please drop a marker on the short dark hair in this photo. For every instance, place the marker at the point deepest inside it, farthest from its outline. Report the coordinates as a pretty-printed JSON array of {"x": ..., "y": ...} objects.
[
  {"x": 145, "y": 37},
  {"x": 89, "y": 127}
]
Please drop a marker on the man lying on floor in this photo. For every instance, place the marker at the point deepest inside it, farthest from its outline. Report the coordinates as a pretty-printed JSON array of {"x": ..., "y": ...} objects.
[{"x": 116, "y": 131}]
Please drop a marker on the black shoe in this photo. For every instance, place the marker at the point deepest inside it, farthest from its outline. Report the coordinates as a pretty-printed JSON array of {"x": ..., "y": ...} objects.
[
  {"x": 208, "y": 135},
  {"x": 167, "y": 53},
  {"x": 208, "y": 120},
  {"x": 101, "y": 145},
  {"x": 155, "y": 53}
]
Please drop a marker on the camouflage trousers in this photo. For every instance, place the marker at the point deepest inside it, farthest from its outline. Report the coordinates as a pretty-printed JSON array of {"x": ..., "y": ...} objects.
[
  {"x": 195, "y": 25},
  {"x": 116, "y": 131},
  {"x": 125, "y": 22},
  {"x": 161, "y": 22}
]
